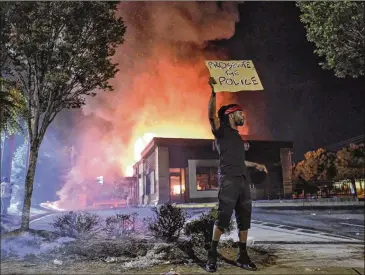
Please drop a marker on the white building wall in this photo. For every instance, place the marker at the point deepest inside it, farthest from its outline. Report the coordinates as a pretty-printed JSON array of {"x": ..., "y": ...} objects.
[
  {"x": 162, "y": 175},
  {"x": 193, "y": 192}
]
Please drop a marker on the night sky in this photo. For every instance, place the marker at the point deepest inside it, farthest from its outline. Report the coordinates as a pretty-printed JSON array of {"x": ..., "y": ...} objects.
[{"x": 301, "y": 102}]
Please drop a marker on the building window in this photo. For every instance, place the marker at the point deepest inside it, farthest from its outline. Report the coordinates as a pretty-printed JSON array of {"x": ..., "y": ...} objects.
[
  {"x": 206, "y": 178},
  {"x": 360, "y": 184},
  {"x": 343, "y": 188}
]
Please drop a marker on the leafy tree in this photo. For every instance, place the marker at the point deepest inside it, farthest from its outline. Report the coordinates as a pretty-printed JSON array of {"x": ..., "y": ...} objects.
[
  {"x": 13, "y": 112},
  {"x": 317, "y": 165},
  {"x": 350, "y": 163},
  {"x": 338, "y": 31},
  {"x": 12, "y": 102},
  {"x": 58, "y": 53},
  {"x": 13, "y": 108}
]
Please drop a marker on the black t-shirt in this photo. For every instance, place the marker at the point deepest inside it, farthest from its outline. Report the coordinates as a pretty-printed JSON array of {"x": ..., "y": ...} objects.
[{"x": 231, "y": 150}]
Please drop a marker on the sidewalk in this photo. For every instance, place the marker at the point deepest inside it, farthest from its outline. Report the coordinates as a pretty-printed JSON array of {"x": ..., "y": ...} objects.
[
  {"x": 307, "y": 203},
  {"x": 284, "y": 204},
  {"x": 13, "y": 219},
  {"x": 279, "y": 270},
  {"x": 94, "y": 267}
]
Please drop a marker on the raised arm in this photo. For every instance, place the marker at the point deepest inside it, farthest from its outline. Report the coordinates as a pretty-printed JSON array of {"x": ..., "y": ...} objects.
[{"x": 212, "y": 109}]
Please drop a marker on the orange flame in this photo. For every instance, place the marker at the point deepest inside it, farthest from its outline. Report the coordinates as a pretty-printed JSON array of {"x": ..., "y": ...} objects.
[
  {"x": 161, "y": 89},
  {"x": 168, "y": 130}
]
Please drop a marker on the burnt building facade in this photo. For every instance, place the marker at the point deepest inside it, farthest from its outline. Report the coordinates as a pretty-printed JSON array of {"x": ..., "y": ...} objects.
[{"x": 185, "y": 170}]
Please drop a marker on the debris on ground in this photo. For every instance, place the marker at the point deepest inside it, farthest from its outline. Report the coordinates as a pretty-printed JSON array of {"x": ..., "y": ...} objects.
[
  {"x": 110, "y": 259},
  {"x": 171, "y": 272},
  {"x": 120, "y": 255},
  {"x": 57, "y": 262},
  {"x": 30, "y": 244}
]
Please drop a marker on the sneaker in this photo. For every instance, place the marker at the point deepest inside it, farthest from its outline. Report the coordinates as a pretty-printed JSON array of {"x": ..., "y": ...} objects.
[
  {"x": 211, "y": 265},
  {"x": 244, "y": 261}
]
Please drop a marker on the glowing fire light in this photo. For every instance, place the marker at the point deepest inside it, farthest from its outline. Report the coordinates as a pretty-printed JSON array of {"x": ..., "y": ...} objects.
[
  {"x": 167, "y": 130},
  {"x": 51, "y": 206},
  {"x": 138, "y": 147},
  {"x": 129, "y": 171},
  {"x": 160, "y": 91},
  {"x": 176, "y": 189},
  {"x": 141, "y": 143}
]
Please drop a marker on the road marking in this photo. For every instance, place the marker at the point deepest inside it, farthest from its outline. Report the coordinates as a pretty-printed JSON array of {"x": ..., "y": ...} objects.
[
  {"x": 299, "y": 231},
  {"x": 315, "y": 234},
  {"x": 41, "y": 218},
  {"x": 352, "y": 224}
]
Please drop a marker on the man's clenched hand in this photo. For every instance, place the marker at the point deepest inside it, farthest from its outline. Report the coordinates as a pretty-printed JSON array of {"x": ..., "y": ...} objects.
[
  {"x": 212, "y": 82},
  {"x": 261, "y": 168}
]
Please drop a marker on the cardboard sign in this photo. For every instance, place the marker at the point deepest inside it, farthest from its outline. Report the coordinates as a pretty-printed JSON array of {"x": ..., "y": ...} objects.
[{"x": 234, "y": 75}]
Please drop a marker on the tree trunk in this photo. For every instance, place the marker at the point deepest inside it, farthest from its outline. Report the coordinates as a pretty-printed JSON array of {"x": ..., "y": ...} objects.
[
  {"x": 29, "y": 180},
  {"x": 1, "y": 154},
  {"x": 28, "y": 152},
  {"x": 1, "y": 146}
]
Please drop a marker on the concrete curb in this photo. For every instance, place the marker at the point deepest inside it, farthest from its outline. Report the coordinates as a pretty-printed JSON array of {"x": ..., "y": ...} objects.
[
  {"x": 286, "y": 205},
  {"x": 308, "y": 203},
  {"x": 322, "y": 207},
  {"x": 359, "y": 243},
  {"x": 197, "y": 205}
]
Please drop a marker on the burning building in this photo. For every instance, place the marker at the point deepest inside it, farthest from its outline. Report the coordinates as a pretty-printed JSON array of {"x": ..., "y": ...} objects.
[
  {"x": 181, "y": 170},
  {"x": 161, "y": 90}
]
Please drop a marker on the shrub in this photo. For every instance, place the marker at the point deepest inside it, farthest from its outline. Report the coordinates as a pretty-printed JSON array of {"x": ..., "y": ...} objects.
[
  {"x": 120, "y": 225},
  {"x": 201, "y": 230},
  {"x": 168, "y": 222},
  {"x": 77, "y": 225}
]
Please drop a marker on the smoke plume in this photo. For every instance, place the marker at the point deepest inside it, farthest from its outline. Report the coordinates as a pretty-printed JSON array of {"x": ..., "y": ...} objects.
[{"x": 161, "y": 88}]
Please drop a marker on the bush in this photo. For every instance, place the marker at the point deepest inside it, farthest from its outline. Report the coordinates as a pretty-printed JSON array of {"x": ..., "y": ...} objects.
[
  {"x": 120, "y": 225},
  {"x": 77, "y": 225},
  {"x": 168, "y": 222},
  {"x": 201, "y": 230}
]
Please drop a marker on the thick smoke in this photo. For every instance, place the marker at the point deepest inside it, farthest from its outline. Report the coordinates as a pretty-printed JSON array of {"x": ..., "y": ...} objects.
[{"x": 161, "y": 87}]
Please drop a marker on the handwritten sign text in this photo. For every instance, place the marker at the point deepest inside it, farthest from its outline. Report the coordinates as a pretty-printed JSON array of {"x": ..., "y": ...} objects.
[{"x": 234, "y": 76}]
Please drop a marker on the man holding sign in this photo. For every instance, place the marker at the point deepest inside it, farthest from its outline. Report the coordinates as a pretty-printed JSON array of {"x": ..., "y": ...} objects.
[{"x": 234, "y": 191}]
